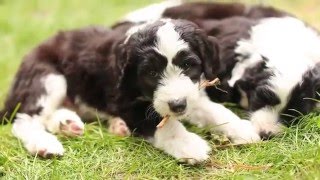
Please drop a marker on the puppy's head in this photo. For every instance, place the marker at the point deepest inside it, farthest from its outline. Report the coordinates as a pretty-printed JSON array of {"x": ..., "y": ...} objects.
[{"x": 167, "y": 60}]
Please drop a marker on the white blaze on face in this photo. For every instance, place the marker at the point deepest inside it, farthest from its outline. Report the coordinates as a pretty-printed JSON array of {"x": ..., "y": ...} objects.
[
  {"x": 174, "y": 84},
  {"x": 169, "y": 41}
]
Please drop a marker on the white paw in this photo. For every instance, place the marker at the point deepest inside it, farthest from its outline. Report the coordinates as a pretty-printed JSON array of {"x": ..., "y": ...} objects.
[
  {"x": 45, "y": 145},
  {"x": 66, "y": 122},
  {"x": 193, "y": 150},
  {"x": 267, "y": 130},
  {"x": 118, "y": 127},
  {"x": 266, "y": 122},
  {"x": 244, "y": 132},
  {"x": 189, "y": 148}
]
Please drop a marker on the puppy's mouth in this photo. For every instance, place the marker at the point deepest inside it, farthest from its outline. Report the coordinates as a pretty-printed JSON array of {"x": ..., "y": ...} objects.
[
  {"x": 178, "y": 115},
  {"x": 182, "y": 113}
]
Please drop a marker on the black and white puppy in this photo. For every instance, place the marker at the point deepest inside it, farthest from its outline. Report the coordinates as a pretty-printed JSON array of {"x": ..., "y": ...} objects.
[
  {"x": 136, "y": 73},
  {"x": 269, "y": 60}
]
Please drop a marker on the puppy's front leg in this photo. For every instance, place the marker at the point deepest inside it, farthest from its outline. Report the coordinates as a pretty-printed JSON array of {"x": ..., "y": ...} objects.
[
  {"x": 174, "y": 139},
  {"x": 208, "y": 113}
]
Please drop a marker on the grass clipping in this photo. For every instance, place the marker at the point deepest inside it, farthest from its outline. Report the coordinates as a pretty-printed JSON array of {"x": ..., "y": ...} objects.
[{"x": 202, "y": 85}]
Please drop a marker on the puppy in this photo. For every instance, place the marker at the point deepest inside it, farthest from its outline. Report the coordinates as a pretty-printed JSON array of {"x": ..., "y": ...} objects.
[
  {"x": 269, "y": 60},
  {"x": 135, "y": 73}
]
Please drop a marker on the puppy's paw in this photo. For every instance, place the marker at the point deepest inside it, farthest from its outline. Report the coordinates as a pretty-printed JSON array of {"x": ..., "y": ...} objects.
[
  {"x": 65, "y": 122},
  {"x": 266, "y": 123},
  {"x": 118, "y": 127},
  {"x": 244, "y": 133},
  {"x": 45, "y": 145},
  {"x": 189, "y": 148},
  {"x": 267, "y": 131}
]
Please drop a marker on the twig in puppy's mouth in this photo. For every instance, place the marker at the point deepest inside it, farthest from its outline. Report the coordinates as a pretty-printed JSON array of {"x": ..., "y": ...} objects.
[
  {"x": 207, "y": 83},
  {"x": 163, "y": 121}
]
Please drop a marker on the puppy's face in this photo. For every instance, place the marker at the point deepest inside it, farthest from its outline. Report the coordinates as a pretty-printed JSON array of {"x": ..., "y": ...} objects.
[{"x": 169, "y": 58}]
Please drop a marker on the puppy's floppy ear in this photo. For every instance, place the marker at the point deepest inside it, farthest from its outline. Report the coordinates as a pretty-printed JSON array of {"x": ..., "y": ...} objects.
[
  {"x": 122, "y": 60},
  {"x": 210, "y": 57}
]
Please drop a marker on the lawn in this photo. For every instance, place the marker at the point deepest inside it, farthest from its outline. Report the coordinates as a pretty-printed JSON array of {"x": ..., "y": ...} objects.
[{"x": 98, "y": 155}]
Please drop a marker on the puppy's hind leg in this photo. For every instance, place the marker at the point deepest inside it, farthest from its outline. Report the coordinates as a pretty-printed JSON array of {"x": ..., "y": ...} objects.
[
  {"x": 55, "y": 118},
  {"x": 45, "y": 92}
]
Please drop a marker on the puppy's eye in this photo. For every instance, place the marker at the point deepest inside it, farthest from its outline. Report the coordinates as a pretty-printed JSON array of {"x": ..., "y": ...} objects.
[
  {"x": 186, "y": 65},
  {"x": 153, "y": 73}
]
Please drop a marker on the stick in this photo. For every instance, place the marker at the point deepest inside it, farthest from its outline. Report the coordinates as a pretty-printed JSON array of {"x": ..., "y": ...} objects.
[
  {"x": 163, "y": 121},
  {"x": 207, "y": 83}
]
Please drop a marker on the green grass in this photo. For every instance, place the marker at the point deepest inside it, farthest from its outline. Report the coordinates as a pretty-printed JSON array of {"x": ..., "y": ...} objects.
[{"x": 99, "y": 155}]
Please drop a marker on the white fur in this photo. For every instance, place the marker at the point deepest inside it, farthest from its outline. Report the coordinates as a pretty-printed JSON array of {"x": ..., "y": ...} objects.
[
  {"x": 208, "y": 113},
  {"x": 56, "y": 89},
  {"x": 34, "y": 136},
  {"x": 151, "y": 12},
  {"x": 291, "y": 48},
  {"x": 174, "y": 139}
]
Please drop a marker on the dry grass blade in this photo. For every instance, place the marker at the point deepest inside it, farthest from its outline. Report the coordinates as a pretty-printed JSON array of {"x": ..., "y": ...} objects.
[
  {"x": 225, "y": 146},
  {"x": 251, "y": 167},
  {"x": 236, "y": 167}
]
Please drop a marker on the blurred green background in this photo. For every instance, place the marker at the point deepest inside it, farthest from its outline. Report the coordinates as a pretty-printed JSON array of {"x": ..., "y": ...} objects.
[
  {"x": 25, "y": 23},
  {"x": 97, "y": 154}
]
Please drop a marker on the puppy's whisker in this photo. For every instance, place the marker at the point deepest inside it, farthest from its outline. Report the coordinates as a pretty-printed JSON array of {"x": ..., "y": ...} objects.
[
  {"x": 224, "y": 91},
  {"x": 184, "y": 70},
  {"x": 149, "y": 110},
  {"x": 152, "y": 115}
]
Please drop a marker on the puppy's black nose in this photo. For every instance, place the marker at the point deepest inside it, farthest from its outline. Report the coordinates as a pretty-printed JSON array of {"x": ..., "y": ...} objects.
[{"x": 178, "y": 105}]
